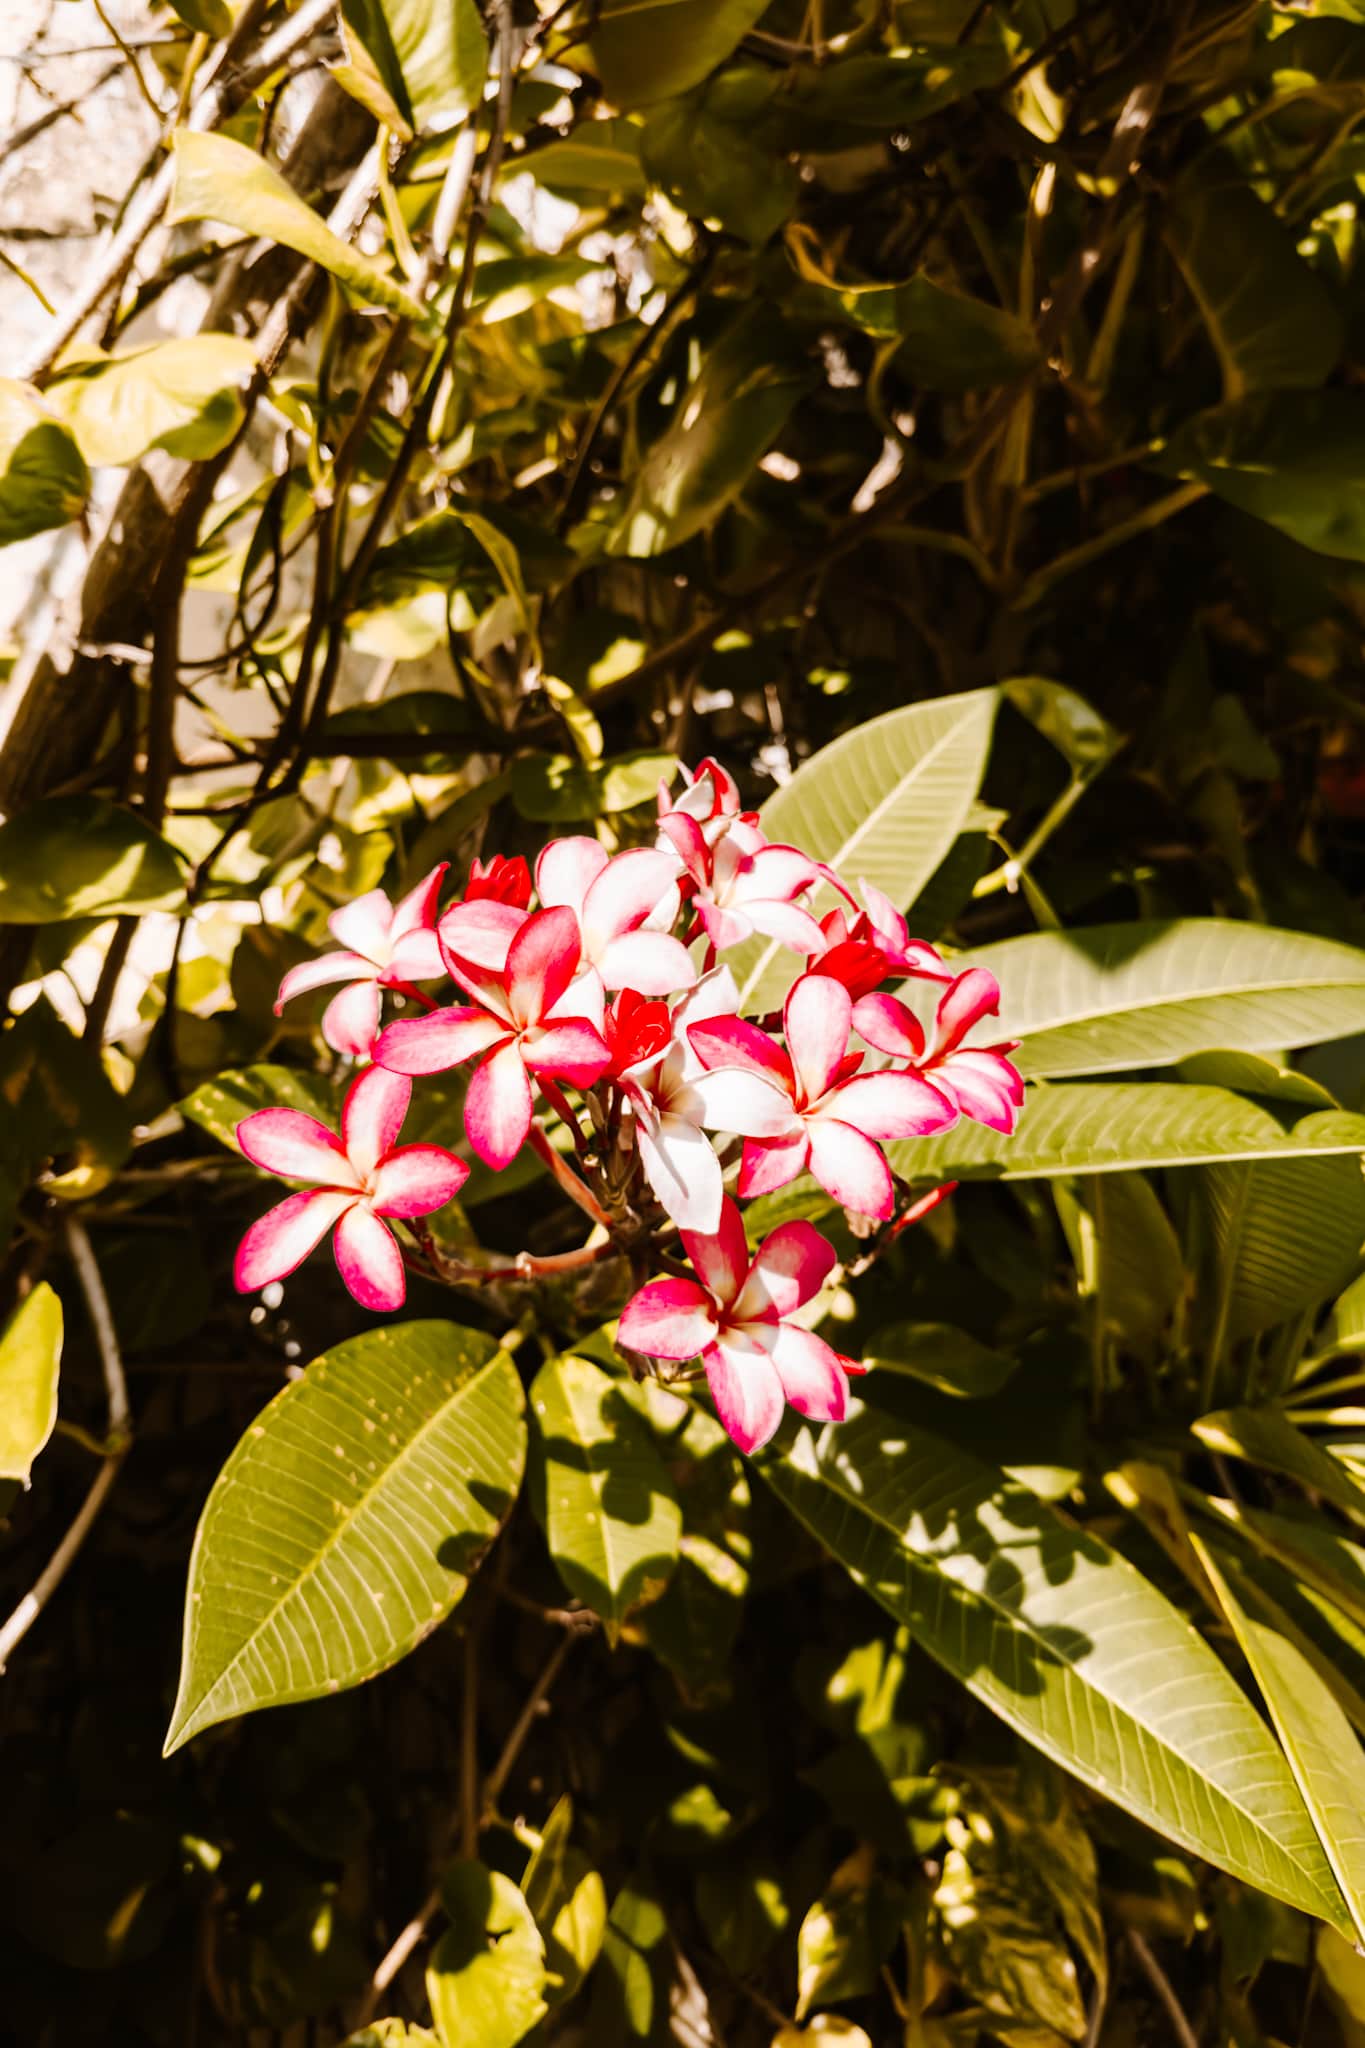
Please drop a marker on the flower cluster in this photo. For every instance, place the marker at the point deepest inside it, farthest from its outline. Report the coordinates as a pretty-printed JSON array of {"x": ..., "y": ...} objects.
[{"x": 612, "y": 986}]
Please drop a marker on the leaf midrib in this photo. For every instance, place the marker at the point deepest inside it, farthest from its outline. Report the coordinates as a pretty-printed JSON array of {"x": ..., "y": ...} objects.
[{"x": 1146, "y": 1006}]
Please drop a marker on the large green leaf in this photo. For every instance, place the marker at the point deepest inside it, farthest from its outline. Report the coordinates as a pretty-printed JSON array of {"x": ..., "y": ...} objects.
[
  {"x": 1316, "y": 1737},
  {"x": 645, "y": 50},
  {"x": 1345, "y": 1327},
  {"x": 431, "y": 56},
  {"x": 724, "y": 423},
  {"x": 44, "y": 481},
  {"x": 1270, "y": 317},
  {"x": 178, "y": 395},
  {"x": 30, "y": 1356},
  {"x": 708, "y": 151},
  {"x": 1146, "y": 995},
  {"x": 81, "y": 856},
  {"x": 486, "y": 1979},
  {"x": 1063, "y": 1639},
  {"x": 1292, "y": 458},
  {"x": 598, "y": 156},
  {"x": 219, "y": 179},
  {"x": 1283, "y": 1235},
  {"x": 1114, "y": 1126},
  {"x": 218, "y": 1106},
  {"x": 1266, "y": 1437},
  {"x": 348, "y": 1520},
  {"x": 882, "y": 803},
  {"x": 608, "y": 1506}
]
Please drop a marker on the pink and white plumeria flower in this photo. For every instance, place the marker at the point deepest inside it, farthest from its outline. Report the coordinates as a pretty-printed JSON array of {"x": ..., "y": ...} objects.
[
  {"x": 743, "y": 885},
  {"x": 735, "y": 1318},
  {"x": 710, "y": 797},
  {"x": 387, "y": 946},
  {"x": 613, "y": 900},
  {"x": 516, "y": 1025},
  {"x": 806, "y": 1106},
  {"x": 980, "y": 1079},
  {"x": 359, "y": 1177},
  {"x": 669, "y": 1115}
]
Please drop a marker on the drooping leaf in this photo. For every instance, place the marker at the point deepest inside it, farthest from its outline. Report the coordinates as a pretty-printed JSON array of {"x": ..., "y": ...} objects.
[
  {"x": 645, "y": 50},
  {"x": 568, "y": 1902},
  {"x": 44, "y": 481},
  {"x": 219, "y": 179},
  {"x": 882, "y": 803},
  {"x": 1270, "y": 316},
  {"x": 1041, "y": 1622},
  {"x": 1266, "y": 1436},
  {"x": 30, "y": 1357},
  {"x": 1292, "y": 458},
  {"x": 1282, "y": 1235},
  {"x": 609, "y": 1508},
  {"x": 1138, "y": 1271},
  {"x": 486, "y": 1978},
  {"x": 178, "y": 395},
  {"x": 1117, "y": 1126},
  {"x": 82, "y": 856},
  {"x": 1146, "y": 995},
  {"x": 431, "y": 56},
  {"x": 348, "y": 1520},
  {"x": 1320, "y": 1743},
  {"x": 725, "y": 422},
  {"x": 950, "y": 1359}
]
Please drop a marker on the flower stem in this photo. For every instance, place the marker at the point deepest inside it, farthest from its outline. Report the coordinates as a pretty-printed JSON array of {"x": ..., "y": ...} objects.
[
  {"x": 559, "y": 1103},
  {"x": 575, "y": 1188}
]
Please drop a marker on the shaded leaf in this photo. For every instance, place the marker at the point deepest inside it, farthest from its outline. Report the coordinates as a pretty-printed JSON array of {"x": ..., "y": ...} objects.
[
  {"x": 346, "y": 1523},
  {"x": 1292, "y": 458},
  {"x": 81, "y": 856},
  {"x": 1283, "y": 1234},
  {"x": 599, "y": 156},
  {"x": 1266, "y": 1437},
  {"x": 708, "y": 152},
  {"x": 568, "y": 1902},
  {"x": 645, "y": 50},
  {"x": 44, "y": 481},
  {"x": 30, "y": 1357},
  {"x": 218, "y": 1106},
  {"x": 846, "y": 1935},
  {"x": 952, "y": 1360}
]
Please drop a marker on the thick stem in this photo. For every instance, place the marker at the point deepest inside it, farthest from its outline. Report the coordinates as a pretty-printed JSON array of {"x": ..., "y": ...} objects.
[{"x": 577, "y": 1190}]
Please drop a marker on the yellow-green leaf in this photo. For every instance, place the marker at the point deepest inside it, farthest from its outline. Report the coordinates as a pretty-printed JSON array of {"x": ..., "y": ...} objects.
[
  {"x": 30, "y": 1356},
  {"x": 181, "y": 395}
]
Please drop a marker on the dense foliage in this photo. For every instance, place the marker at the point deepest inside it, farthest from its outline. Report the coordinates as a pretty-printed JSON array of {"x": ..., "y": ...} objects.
[{"x": 941, "y": 422}]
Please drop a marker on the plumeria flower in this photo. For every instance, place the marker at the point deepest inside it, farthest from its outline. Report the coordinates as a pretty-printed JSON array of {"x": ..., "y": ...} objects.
[
  {"x": 612, "y": 899},
  {"x": 808, "y": 1107},
  {"x": 710, "y": 797},
  {"x": 515, "y": 1025},
  {"x": 387, "y": 946},
  {"x": 980, "y": 1079},
  {"x": 500, "y": 880},
  {"x": 669, "y": 1115},
  {"x": 734, "y": 1316},
  {"x": 638, "y": 1030},
  {"x": 743, "y": 885},
  {"x": 904, "y": 955},
  {"x": 357, "y": 1178}
]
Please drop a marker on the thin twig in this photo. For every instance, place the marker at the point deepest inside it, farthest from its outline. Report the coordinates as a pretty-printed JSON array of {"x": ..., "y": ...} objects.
[
  {"x": 1161, "y": 1985},
  {"x": 106, "y": 1336},
  {"x": 523, "y": 1725}
]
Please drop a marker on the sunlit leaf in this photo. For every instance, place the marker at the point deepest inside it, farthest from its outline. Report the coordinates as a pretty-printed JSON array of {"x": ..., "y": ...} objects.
[
  {"x": 645, "y": 50},
  {"x": 486, "y": 1978},
  {"x": 180, "y": 395},
  {"x": 1282, "y": 1235},
  {"x": 431, "y": 56},
  {"x": 30, "y": 1357},
  {"x": 81, "y": 856},
  {"x": 1266, "y": 1437}
]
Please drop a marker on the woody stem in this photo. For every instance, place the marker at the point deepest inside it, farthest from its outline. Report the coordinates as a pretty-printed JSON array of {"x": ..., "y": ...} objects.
[{"x": 576, "y": 1189}]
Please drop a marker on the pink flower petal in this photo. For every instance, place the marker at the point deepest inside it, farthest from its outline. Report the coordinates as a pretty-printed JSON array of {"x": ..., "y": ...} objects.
[
  {"x": 444, "y": 1038},
  {"x": 984, "y": 1086},
  {"x": 776, "y": 874},
  {"x": 812, "y": 1374},
  {"x": 735, "y": 1042},
  {"x": 771, "y": 1163},
  {"x": 365, "y": 926},
  {"x": 746, "y": 1390},
  {"x": 416, "y": 956},
  {"x": 972, "y": 996},
  {"x": 682, "y": 1169},
  {"x": 372, "y": 1116},
  {"x": 417, "y": 910},
  {"x": 351, "y": 1020},
  {"x": 816, "y": 1021},
  {"x": 281, "y": 1240},
  {"x": 715, "y": 995},
  {"x": 497, "y": 1110},
  {"x": 685, "y": 836},
  {"x": 849, "y": 1167},
  {"x": 295, "y": 1146},
  {"x": 890, "y": 1105},
  {"x": 670, "y": 1318},
  {"x": 481, "y": 932},
  {"x": 624, "y": 894},
  {"x": 649, "y": 962},
  {"x": 792, "y": 1265},
  {"x": 368, "y": 1259},
  {"x": 584, "y": 998},
  {"x": 327, "y": 968},
  {"x": 566, "y": 870},
  {"x": 723, "y": 926},
  {"x": 572, "y": 1048},
  {"x": 541, "y": 962},
  {"x": 886, "y": 1022},
  {"x": 720, "y": 1256},
  {"x": 416, "y": 1179},
  {"x": 785, "y": 922},
  {"x": 736, "y": 1099}
]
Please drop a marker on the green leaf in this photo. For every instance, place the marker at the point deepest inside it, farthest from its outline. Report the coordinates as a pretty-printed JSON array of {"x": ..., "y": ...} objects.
[
  {"x": 30, "y": 1356},
  {"x": 952, "y": 1360},
  {"x": 882, "y": 803},
  {"x": 1063, "y": 1639},
  {"x": 1266, "y": 1437},
  {"x": 1146, "y": 995},
  {"x": 178, "y": 395},
  {"x": 348, "y": 1520},
  {"x": 219, "y": 1106},
  {"x": 555, "y": 789},
  {"x": 725, "y": 422},
  {"x": 834, "y": 106},
  {"x": 1283, "y": 1235},
  {"x": 609, "y": 1509},
  {"x": 510, "y": 284},
  {"x": 207, "y": 17},
  {"x": 708, "y": 153},
  {"x": 44, "y": 481},
  {"x": 431, "y": 56},
  {"x": 1270, "y": 317},
  {"x": 486, "y": 1978},
  {"x": 1345, "y": 1328},
  {"x": 645, "y": 50},
  {"x": 218, "y": 179},
  {"x": 1139, "y": 1273},
  {"x": 598, "y": 157},
  {"x": 1292, "y": 458},
  {"x": 81, "y": 856},
  {"x": 1117, "y": 1126},
  {"x": 846, "y": 1936},
  {"x": 569, "y": 1903},
  {"x": 1316, "y": 1737}
]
